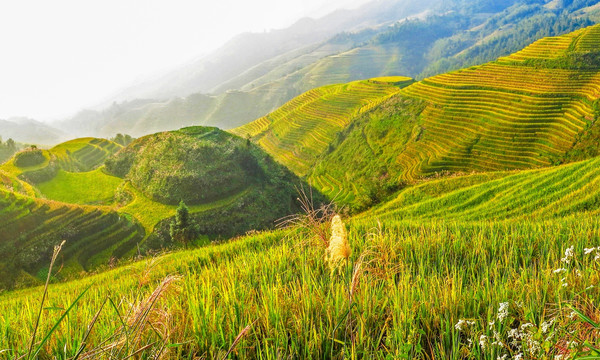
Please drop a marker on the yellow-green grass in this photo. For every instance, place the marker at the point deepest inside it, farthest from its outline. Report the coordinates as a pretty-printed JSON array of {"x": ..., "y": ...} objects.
[
  {"x": 415, "y": 281},
  {"x": 83, "y": 154},
  {"x": 85, "y": 188},
  {"x": 149, "y": 212},
  {"x": 31, "y": 227},
  {"x": 532, "y": 194},
  {"x": 510, "y": 114},
  {"x": 393, "y": 80},
  {"x": 298, "y": 132},
  {"x": 11, "y": 168}
]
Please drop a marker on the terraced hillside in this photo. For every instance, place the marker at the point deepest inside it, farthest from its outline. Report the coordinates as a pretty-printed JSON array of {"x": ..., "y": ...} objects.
[
  {"x": 298, "y": 132},
  {"x": 526, "y": 110},
  {"x": 535, "y": 108},
  {"x": 230, "y": 184},
  {"x": 548, "y": 193},
  {"x": 83, "y": 154},
  {"x": 411, "y": 281},
  {"x": 31, "y": 227},
  {"x": 77, "y": 155}
]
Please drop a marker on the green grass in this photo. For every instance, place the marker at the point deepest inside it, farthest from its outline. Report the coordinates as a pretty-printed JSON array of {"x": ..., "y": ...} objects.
[
  {"x": 298, "y": 132},
  {"x": 417, "y": 280},
  {"x": 504, "y": 115},
  {"x": 149, "y": 213},
  {"x": 86, "y": 188},
  {"x": 31, "y": 227}
]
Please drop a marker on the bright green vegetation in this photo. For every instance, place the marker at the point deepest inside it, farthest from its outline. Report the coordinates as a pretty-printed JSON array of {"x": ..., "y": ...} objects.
[
  {"x": 230, "y": 185},
  {"x": 149, "y": 213},
  {"x": 359, "y": 168},
  {"x": 475, "y": 235},
  {"x": 523, "y": 111},
  {"x": 196, "y": 165},
  {"x": 504, "y": 115},
  {"x": 83, "y": 154},
  {"x": 413, "y": 281},
  {"x": 31, "y": 227},
  {"x": 298, "y": 132},
  {"x": 36, "y": 166},
  {"x": 85, "y": 188},
  {"x": 534, "y": 194}
]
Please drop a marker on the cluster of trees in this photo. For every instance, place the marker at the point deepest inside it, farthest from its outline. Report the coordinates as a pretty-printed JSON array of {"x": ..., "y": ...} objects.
[
  {"x": 7, "y": 149},
  {"x": 122, "y": 139}
]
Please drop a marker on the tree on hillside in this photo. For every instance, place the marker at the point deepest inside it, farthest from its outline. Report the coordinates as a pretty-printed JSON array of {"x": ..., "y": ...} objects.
[
  {"x": 10, "y": 145},
  {"x": 122, "y": 139},
  {"x": 183, "y": 229}
]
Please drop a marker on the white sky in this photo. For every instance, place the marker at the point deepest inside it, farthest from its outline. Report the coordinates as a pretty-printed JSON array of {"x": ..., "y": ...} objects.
[{"x": 58, "y": 56}]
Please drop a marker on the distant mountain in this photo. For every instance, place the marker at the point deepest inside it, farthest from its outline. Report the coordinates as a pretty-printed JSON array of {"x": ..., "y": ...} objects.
[
  {"x": 437, "y": 37},
  {"x": 230, "y": 63},
  {"x": 30, "y": 131}
]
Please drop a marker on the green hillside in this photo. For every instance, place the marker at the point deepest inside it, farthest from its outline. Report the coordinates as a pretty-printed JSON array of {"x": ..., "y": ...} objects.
[
  {"x": 31, "y": 227},
  {"x": 535, "y": 108},
  {"x": 548, "y": 193},
  {"x": 219, "y": 175},
  {"x": 298, "y": 132},
  {"x": 412, "y": 276},
  {"x": 36, "y": 165},
  {"x": 529, "y": 109}
]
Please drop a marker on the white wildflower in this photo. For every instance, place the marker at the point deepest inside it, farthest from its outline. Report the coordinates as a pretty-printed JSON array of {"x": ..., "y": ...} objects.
[
  {"x": 460, "y": 325},
  {"x": 502, "y": 358},
  {"x": 526, "y": 326},
  {"x": 589, "y": 287},
  {"x": 588, "y": 251},
  {"x": 491, "y": 324},
  {"x": 558, "y": 357},
  {"x": 546, "y": 326},
  {"x": 597, "y": 257},
  {"x": 569, "y": 253},
  {"x": 519, "y": 356},
  {"x": 502, "y": 311},
  {"x": 514, "y": 333},
  {"x": 561, "y": 270},
  {"x": 483, "y": 342},
  {"x": 577, "y": 273}
]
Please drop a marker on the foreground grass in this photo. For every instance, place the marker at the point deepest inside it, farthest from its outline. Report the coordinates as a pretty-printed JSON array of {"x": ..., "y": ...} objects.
[{"x": 414, "y": 283}]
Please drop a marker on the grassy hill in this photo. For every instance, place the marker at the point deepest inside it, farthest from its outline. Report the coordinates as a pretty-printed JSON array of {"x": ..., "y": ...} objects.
[
  {"x": 412, "y": 276},
  {"x": 535, "y": 108},
  {"x": 31, "y": 227},
  {"x": 36, "y": 165},
  {"x": 298, "y": 132},
  {"x": 230, "y": 185},
  {"x": 547, "y": 193}
]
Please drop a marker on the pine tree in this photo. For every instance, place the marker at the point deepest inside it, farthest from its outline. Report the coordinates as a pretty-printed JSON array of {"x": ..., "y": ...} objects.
[{"x": 183, "y": 229}]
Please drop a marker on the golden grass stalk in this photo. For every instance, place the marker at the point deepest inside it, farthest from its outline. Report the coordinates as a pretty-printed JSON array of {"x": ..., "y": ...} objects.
[
  {"x": 338, "y": 250},
  {"x": 57, "y": 249}
]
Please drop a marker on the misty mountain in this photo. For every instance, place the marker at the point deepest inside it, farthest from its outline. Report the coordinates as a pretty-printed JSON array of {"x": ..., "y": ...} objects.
[
  {"x": 254, "y": 74},
  {"x": 25, "y": 130},
  {"x": 208, "y": 74}
]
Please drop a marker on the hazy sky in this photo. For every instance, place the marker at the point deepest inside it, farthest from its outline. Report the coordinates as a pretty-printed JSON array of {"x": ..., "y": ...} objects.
[{"x": 58, "y": 56}]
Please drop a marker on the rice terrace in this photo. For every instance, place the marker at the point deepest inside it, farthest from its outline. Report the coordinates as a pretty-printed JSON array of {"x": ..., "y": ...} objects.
[{"x": 329, "y": 180}]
